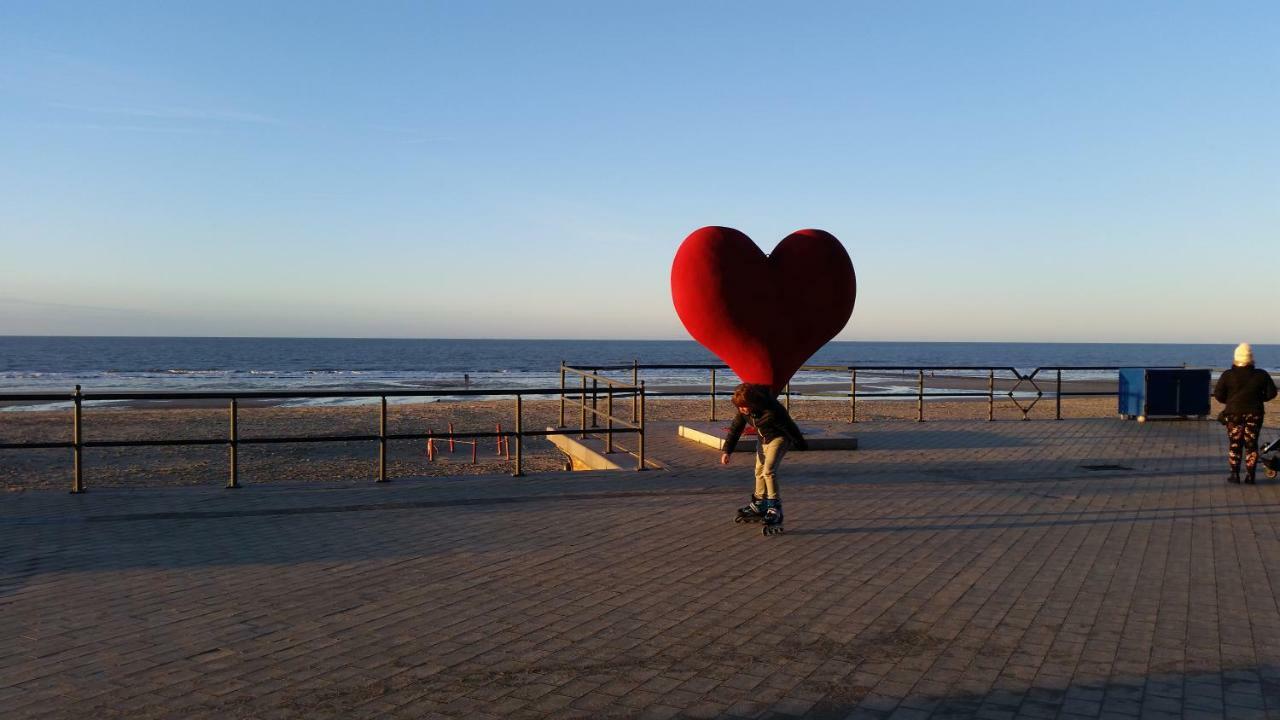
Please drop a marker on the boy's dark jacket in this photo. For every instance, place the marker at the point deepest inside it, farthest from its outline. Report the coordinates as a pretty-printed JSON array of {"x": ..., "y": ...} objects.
[
  {"x": 1243, "y": 390},
  {"x": 771, "y": 422}
]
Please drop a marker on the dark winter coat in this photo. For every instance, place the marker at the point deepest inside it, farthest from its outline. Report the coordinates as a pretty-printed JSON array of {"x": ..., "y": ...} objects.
[
  {"x": 1243, "y": 390},
  {"x": 770, "y": 422}
]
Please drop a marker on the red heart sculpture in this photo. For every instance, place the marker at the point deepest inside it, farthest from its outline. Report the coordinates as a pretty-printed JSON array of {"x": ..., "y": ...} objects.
[{"x": 763, "y": 315}]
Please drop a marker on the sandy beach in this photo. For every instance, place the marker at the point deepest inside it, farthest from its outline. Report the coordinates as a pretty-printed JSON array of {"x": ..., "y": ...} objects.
[{"x": 357, "y": 461}]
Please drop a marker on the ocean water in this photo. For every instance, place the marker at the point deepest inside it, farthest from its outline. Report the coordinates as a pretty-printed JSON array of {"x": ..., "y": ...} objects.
[{"x": 189, "y": 364}]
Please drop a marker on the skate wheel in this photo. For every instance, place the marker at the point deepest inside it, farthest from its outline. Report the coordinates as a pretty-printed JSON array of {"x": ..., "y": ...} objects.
[{"x": 1271, "y": 473}]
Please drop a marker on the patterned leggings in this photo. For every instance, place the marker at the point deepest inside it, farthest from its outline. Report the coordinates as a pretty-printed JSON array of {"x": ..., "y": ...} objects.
[{"x": 1242, "y": 434}]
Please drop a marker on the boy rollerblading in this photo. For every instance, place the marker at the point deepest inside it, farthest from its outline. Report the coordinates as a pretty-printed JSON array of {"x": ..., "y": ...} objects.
[{"x": 776, "y": 433}]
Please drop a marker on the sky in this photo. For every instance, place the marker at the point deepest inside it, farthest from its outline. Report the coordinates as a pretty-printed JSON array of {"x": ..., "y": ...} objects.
[{"x": 1009, "y": 171}]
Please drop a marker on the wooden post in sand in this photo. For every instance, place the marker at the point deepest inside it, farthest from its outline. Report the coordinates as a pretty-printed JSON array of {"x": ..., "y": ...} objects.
[
  {"x": 382, "y": 441},
  {"x": 991, "y": 394},
  {"x": 233, "y": 482},
  {"x": 595, "y": 397},
  {"x": 561, "y": 393},
  {"x": 713, "y": 394},
  {"x": 920, "y": 399},
  {"x": 853, "y": 395},
  {"x": 77, "y": 478},
  {"x": 635, "y": 382},
  {"x": 1057, "y": 398},
  {"x": 519, "y": 434},
  {"x": 608, "y": 408},
  {"x": 640, "y": 453},
  {"x": 582, "y": 402}
]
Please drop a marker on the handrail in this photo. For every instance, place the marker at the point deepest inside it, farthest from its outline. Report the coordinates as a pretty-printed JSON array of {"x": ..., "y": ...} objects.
[
  {"x": 1018, "y": 378},
  {"x": 600, "y": 378},
  {"x": 78, "y": 397},
  {"x": 612, "y": 386},
  {"x": 270, "y": 394},
  {"x": 850, "y": 366}
]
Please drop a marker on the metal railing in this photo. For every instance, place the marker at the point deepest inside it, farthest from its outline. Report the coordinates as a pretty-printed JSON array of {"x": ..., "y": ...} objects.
[
  {"x": 612, "y": 389},
  {"x": 1031, "y": 380},
  {"x": 593, "y": 386},
  {"x": 233, "y": 441}
]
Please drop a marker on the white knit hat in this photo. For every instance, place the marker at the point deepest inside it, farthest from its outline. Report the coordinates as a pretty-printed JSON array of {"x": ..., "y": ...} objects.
[{"x": 1244, "y": 354}]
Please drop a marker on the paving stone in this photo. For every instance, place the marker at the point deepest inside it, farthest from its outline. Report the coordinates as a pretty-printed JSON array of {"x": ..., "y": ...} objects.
[{"x": 991, "y": 576}]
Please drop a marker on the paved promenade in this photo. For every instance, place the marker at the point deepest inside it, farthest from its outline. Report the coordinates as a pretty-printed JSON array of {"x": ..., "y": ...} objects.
[{"x": 1074, "y": 569}]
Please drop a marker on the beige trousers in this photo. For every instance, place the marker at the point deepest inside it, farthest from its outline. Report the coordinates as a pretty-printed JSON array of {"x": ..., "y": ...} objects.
[{"x": 768, "y": 458}]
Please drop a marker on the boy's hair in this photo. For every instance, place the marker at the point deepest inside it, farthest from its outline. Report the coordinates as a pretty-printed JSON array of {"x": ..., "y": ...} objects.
[{"x": 755, "y": 397}]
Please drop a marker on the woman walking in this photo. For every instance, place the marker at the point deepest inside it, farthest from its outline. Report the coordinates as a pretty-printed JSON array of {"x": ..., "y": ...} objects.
[
  {"x": 776, "y": 434},
  {"x": 1242, "y": 390}
]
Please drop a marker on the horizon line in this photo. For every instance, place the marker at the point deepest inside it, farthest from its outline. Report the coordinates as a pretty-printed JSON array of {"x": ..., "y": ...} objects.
[{"x": 597, "y": 339}]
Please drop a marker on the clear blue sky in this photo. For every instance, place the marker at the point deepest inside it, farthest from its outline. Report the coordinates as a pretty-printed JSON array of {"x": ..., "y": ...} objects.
[{"x": 1073, "y": 171}]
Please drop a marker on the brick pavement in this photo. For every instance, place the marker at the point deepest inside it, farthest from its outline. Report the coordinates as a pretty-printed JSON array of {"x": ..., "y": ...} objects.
[{"x": 949, "y": 569}]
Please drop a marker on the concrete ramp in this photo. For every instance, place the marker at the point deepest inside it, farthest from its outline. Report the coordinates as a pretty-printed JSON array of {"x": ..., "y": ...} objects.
[{"x": 589, "y": 453}]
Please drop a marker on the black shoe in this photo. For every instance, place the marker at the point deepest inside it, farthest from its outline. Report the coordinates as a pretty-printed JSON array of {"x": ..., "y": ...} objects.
[
  {"x": 1248, "y": 478},
  {"x": 1234, "y": 477},
  {"x": 752, "y": 511}
]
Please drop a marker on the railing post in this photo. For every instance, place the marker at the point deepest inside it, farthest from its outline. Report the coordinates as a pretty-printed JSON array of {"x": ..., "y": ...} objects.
[
  {"x": 233, "y": 481},
  {"x": 640, "y": 451},
  {"x": 853, "y": 395},
  {"x": 382, "y": 441},
  {"x": 562, "y": 388},
  {"x": 713, "y": 394},
  {"x": 595, "y": 397},
  {"x": 991, "y": 394},
  {"x": 520, "y": 434},
  {"x": 77, "y": 469},
  {"x": 635, "y": 382},
  {"x": 786, "y": 392},
  {"x": 920, "y": 398},
  {"x": 1057, "y": 398},
  {"x": 582, "y": 426},
  {"x": 608, "y": 408}
]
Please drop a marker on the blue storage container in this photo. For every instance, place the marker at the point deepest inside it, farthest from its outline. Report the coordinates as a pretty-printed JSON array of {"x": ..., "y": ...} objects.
[{"x": 1147, "y": 392}]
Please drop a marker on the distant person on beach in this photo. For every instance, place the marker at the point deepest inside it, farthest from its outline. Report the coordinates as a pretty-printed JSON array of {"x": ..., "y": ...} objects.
[
  {"x": 776, "y": 434},
  {"x": 1242, "y": 390}
]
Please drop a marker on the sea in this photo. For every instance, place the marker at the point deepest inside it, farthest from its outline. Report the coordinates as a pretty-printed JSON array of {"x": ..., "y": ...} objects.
[{"x": 129, "y": 364}]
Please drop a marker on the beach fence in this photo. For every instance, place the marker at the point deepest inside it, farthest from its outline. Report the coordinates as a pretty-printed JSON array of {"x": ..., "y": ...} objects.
[
  {"x": 233, "y": 441},
  {"x": 1023, "y": 389},
  {"x": 596, "y": 395}
]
